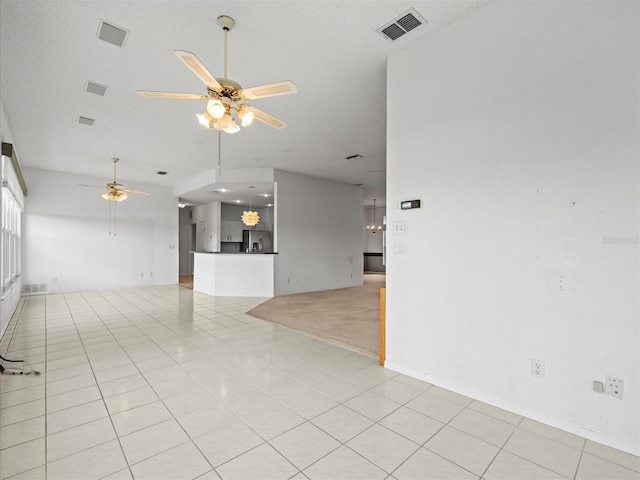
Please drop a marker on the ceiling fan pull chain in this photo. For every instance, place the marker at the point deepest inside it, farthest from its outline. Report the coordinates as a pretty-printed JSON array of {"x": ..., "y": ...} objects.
[
  {"x": 110, "y": 222},
  {"x": 219, "y": 154}
]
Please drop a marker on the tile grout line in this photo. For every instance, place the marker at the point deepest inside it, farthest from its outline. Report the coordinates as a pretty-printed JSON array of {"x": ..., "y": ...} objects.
[
  {"x": 46, "y": 419},
  {"x": 96, "y": 382},
  {"x": 159, "y": 399}
]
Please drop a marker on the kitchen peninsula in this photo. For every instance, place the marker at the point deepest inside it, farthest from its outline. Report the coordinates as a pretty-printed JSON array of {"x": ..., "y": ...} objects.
[{"x": 234, "y": 274}]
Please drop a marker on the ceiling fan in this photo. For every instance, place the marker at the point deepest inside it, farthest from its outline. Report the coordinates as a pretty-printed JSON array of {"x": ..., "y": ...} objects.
[
  {"x": 115, "y": 192},
  {"x": 226, "y": 99}
]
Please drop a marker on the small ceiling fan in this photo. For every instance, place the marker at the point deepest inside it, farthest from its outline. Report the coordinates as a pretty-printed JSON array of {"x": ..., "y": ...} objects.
[
  {"x": 226, "y": 99},
  {"x": 115, "y": 192}
]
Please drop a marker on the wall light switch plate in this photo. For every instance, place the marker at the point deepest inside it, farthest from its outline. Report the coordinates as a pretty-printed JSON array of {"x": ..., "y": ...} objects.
[{"x": 614, "y": 386}]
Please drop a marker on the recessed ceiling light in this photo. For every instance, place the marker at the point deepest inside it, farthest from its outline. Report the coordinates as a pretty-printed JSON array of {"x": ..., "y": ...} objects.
[
  {"x": 97, "y": 89},
  {"x": 265, "y": 194},
  {"x": 111, "y": 34},
  {"x": 238, "y": 201},
  {"x": 221, "y": 190},
  {"x": 86, "y": 121}
]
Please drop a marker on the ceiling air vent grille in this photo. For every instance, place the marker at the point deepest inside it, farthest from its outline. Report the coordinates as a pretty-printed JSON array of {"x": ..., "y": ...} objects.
[
  {"x": 111, "y": 34},
  {"x": 86, "y": 121},
  {"x": 401, "y": 25},
  {"x": 393, "y": 31},
  {"x": 96, "y": 89}
]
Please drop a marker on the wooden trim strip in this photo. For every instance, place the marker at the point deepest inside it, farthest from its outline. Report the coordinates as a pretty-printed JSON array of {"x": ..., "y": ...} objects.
[
  {"x": 9, "y": 151},
  {"x": 383, "y": 326}
]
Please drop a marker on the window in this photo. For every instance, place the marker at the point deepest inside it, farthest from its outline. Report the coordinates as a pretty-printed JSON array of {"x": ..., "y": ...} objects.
[{"x": 10, "y": 239}]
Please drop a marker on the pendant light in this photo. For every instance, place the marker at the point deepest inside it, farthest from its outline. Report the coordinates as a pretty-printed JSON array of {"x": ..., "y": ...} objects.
[
  {"x": 372, "y": 228},
  {"x": 250, "y": 218}
]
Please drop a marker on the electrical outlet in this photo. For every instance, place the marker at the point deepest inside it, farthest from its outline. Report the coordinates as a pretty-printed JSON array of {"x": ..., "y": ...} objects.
[
  {"x": 614, "y": 387},
  {"x": 537, "y": 368}
]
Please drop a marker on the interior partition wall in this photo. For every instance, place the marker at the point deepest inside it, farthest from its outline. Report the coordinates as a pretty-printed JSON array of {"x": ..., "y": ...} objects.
[{"x": 520, "y": 138}]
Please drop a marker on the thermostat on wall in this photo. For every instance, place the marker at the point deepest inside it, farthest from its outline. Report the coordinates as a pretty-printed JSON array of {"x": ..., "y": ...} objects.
[{"x": 409, "y": 204}]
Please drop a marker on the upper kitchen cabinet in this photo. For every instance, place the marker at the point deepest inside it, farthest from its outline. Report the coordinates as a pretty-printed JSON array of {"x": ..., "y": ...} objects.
[{"x": 231, "y": 231}]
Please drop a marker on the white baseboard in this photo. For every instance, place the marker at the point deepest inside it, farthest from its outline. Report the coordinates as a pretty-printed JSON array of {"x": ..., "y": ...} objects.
[{"x": 563, "y": 424}]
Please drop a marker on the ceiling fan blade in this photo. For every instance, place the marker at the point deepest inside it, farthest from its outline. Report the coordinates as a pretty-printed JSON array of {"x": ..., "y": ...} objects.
[
  {"x": 92, "y": 186},
  {"x": 172, "y": 95},
  {"x": 135, "y": 191},
  {"x": 270, "y": 90},
  {"x": 266, "y": 118},
  {"x": 196, "y": 66}
]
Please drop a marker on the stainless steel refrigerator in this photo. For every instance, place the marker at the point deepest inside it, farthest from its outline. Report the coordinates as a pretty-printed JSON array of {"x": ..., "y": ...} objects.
[{"x": 257, "y": 241}]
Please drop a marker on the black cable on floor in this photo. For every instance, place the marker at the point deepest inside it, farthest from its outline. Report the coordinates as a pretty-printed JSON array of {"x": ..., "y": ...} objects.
[{"x": 16, "y": 370}]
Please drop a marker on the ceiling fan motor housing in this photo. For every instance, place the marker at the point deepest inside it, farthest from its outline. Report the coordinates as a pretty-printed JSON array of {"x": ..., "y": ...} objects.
[{"x": 230, "y": 89}]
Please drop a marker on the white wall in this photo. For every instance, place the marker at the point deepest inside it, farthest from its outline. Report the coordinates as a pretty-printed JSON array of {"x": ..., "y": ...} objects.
[
  {"x": 520, "y": 136},
  {"x": 319, "y": 234},
  {"x": 66, "y": 240}
]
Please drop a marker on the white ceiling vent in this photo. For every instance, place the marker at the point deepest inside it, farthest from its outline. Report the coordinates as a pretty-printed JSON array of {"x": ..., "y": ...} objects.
[
  {"x": 401, "y": 25},
  {"x": 86, "y": 121},
  {"x": 97, "y": 89},
  {"x": 111, "y": 34}
]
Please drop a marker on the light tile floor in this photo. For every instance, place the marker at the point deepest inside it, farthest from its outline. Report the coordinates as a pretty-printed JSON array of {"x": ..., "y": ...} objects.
[{"x": 166, "y": 383}]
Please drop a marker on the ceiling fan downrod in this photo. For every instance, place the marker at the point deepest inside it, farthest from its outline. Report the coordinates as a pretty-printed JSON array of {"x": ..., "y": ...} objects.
[
  {"x": 227, "y": 23},
  {"x": 115, "y": 160}
]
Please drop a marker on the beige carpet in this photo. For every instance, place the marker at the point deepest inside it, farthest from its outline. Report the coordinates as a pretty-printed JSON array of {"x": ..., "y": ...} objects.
[{"x": 349, "y": 317}]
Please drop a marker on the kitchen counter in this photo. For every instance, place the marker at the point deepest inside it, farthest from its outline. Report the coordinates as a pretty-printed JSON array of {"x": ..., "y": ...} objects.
[
  {"x": 234, "y": 274},
  {"x": 238, "y": 253}
]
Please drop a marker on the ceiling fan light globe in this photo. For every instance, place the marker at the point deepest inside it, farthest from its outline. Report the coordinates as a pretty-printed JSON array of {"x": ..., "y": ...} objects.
[
  {"x": 246, "y": 117},
  {"x": 115, "y": 195},
  {"x": 225, "y": 122},
  {"x": 215, "y": 108},
  {"x": 205, "y": 119}
]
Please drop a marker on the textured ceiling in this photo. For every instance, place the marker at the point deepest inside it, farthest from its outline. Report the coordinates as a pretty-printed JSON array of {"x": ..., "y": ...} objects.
[{"x": 50, "y": 49}]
